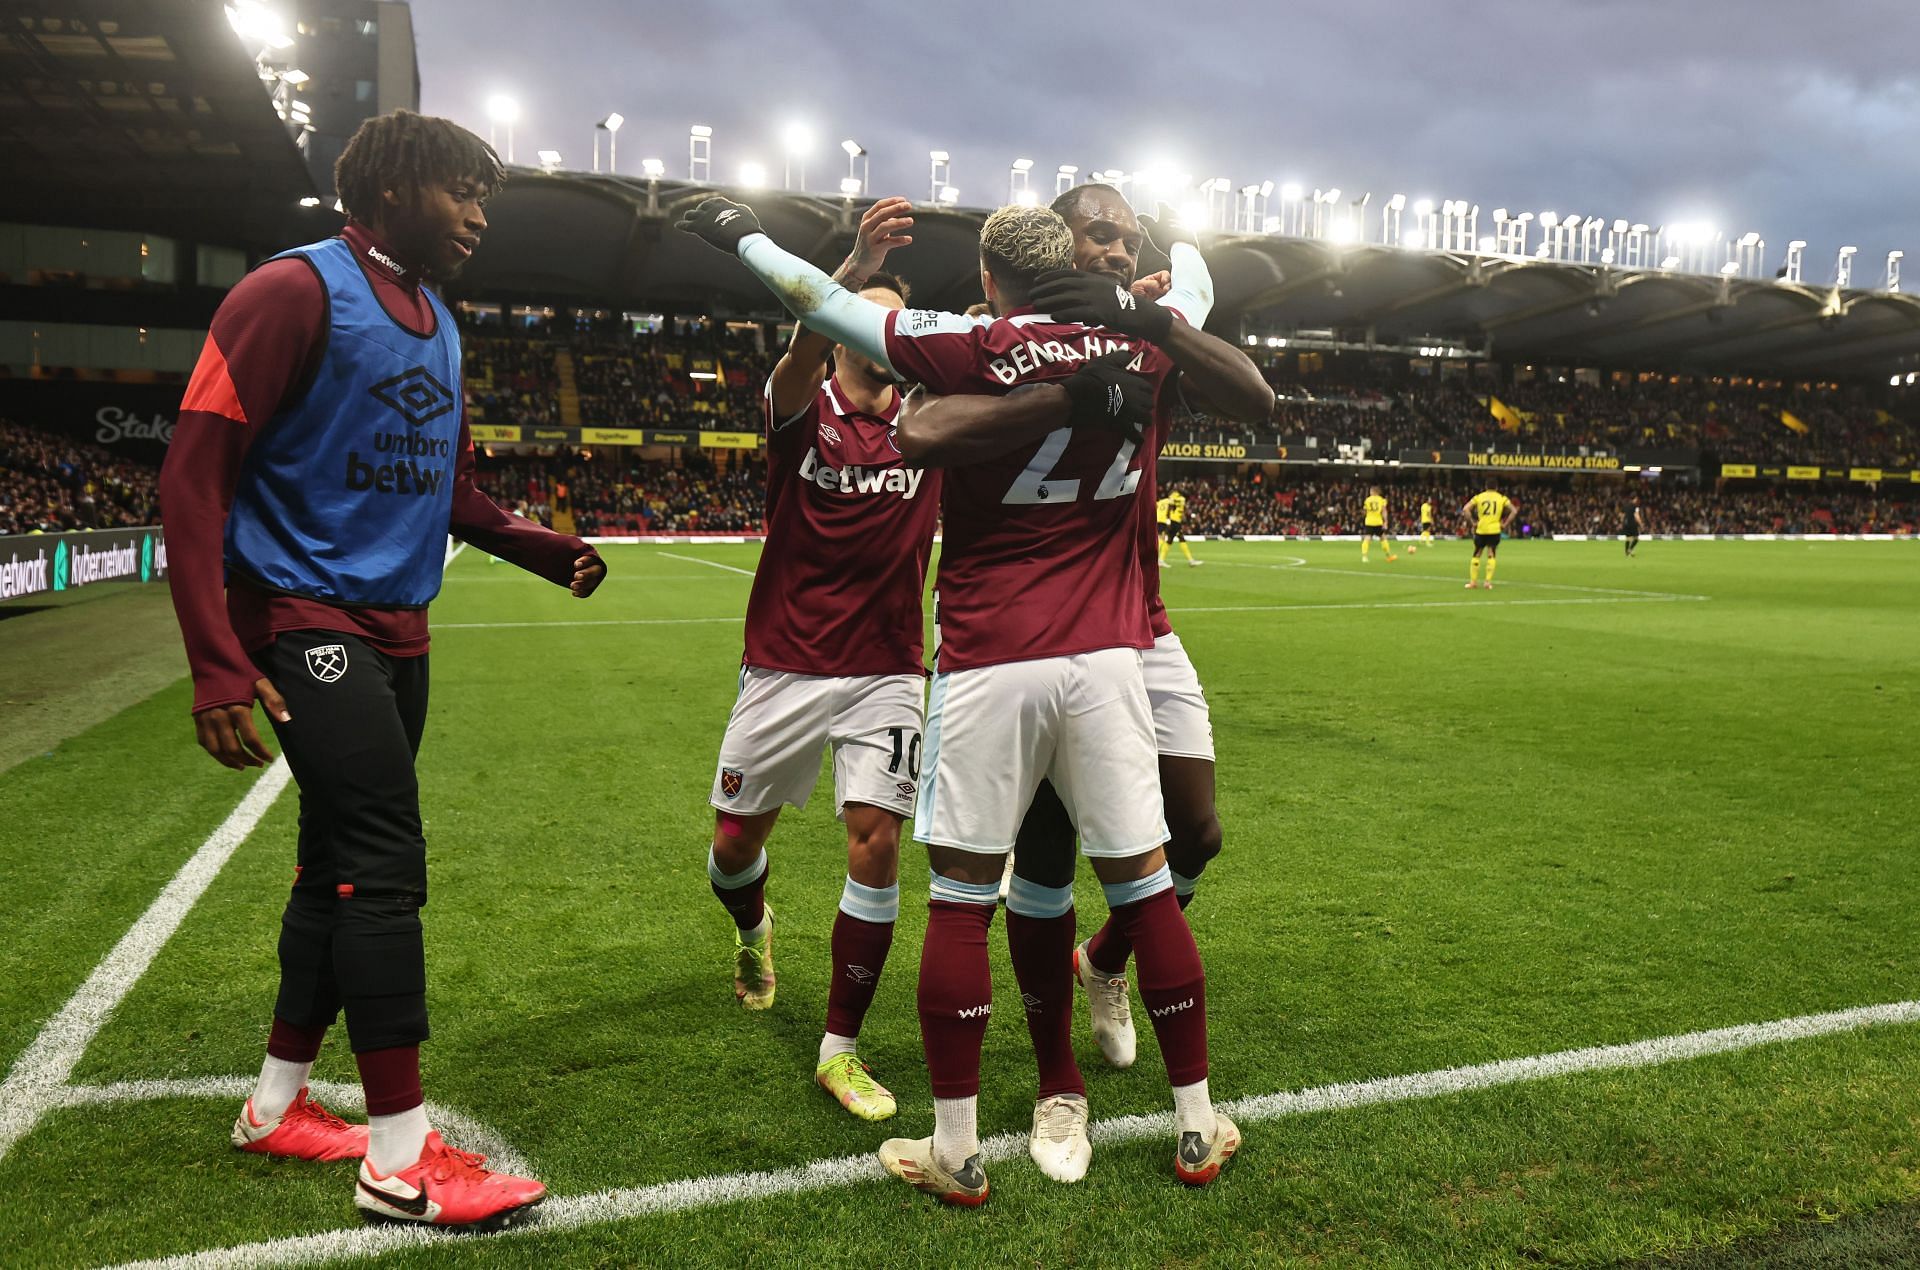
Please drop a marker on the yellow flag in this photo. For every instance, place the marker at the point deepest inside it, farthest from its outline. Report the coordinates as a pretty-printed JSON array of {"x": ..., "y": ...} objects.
[
  {"x": 1792, "y": 420},
  {"x": 1509, "y": 418}
]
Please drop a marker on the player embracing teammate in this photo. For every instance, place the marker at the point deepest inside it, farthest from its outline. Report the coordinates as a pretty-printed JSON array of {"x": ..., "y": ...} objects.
[{"x": 1043, "y": 615}]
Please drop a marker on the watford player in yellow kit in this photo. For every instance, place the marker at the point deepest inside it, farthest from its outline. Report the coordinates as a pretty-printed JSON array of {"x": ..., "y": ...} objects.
[
  {"x": 1426, "y": 523},
  {"x": 1491, "y": 512},
  {"x": 1375, "y": 525},
  {"x": 1171, "y": 512}
]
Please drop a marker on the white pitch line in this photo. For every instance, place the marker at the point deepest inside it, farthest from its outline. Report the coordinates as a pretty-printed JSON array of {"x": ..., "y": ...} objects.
[
  {"x": 462, "y": 1129},
  {"x": 849, "y": 1170},
  {"x": 1436, "y": 604},
  {"x": 39, "y": 1076},
  {"x": 711, "y": 564}
]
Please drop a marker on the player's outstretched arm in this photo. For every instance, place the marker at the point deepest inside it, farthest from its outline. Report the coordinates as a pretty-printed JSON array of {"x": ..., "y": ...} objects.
[
  {"x": 809, "y": 294},
  {"x": 798, "y": 374},
  {"x": 952, "y": 431},
  {"x": 477, "y": 520}
]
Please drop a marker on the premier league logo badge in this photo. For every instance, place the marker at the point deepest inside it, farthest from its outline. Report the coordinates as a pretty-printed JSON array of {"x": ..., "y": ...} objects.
[
  {"x": 327, "y": 662},
  {"x": 730, "y": 782}
]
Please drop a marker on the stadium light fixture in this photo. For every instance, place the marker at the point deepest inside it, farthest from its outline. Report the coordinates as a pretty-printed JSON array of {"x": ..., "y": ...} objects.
[
  {"x": 309, "y": 201},
  {"x": 549, "y": 159},
  {"x": 1620, "y": 226},
  {"x": 1414, "y": 241},
  {"x": 850, "y": 186},
  {"x": 939, "y": 156},
  {"x": 611, "y": 126},
  {"x": 295, "y": 78},
  {"x": 1892, "y": 280},
  {"x": 949, "y": 195},
  {"x": 1291, "y": 192},
  {"x": 502, "y": 112},
  {"x": 856, "y": 154},
  {"x": 1343, "y": 232},
  {"x": 1266, "y": 189},
  {"x": 1063, "y": 179},
  {"x": 653, "y": 168},
  {"x": 1488, "y": 244},
  {"x": 1017, "y": 183},
  {"x": 259, "y": 24},
  {"x": 753, "y": 175},
  {"x": 1549, "y": 219},
  {"x": 700, "y": 153},
  {"x": 1191, "y": 214},
  {"x": 1671, "y": 262},
  {"x": 1026, "y": 198},
  {"x": 1023, "y": 165},
  {"x": 796, "y": 141},
  {"x": 1422, "y": 208},
  {"x": 939, "y": 173}
]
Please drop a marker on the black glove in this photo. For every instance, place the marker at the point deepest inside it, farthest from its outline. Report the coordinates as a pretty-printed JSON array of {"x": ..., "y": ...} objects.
[
  {"x": 721, "y": 223},
  {"x": 1105, "y": 394},
  {"x": 1164, "y": 233},
  {"x": 1092, "y": 300}
]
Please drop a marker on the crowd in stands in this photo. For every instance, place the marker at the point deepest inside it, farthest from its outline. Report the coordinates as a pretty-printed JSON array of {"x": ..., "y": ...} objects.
[
  {"x": 1257, "y": 503},
  {"x": 704, "y": 376},
  {"x": 613, "y": 492},
  {"x": 49, "y": 484}
]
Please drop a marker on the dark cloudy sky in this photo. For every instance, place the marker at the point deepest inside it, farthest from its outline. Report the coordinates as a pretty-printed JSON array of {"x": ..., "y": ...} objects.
[{"x": 1796, "y": 118}]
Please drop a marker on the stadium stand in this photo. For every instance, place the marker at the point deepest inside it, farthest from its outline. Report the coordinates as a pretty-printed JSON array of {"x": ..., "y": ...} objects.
[{"x": 49, "y": 484}]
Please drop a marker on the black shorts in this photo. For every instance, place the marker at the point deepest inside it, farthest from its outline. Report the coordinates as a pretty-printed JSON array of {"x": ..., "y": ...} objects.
[
  {"x": 1631, "y": 532},
  {"x": 1486, "y": 542},
  {"x": 1426, "y": 527},
  {"x": 1173, "y": 531},
  {"x": 1374, "y": 531}
]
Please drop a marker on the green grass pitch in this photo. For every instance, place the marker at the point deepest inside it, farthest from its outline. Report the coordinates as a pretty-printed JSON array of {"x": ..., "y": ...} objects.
[{"x": 1609, "y": 800}]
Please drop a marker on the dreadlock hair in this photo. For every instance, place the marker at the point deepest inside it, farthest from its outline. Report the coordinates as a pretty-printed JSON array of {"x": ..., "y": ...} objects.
[
  {"x": 1069, "y": 201},
  {"x": 404, "y": 151},
  {"x": 885, "y": 281}
]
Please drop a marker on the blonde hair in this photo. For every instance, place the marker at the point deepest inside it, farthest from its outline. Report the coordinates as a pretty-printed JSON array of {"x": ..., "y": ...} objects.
[{"x": 1018, "y": 244}]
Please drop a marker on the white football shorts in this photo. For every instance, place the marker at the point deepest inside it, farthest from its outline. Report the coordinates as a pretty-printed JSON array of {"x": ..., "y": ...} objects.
[
  {"x": 1081, "y": 722},
  {"x": 1182, "y": 725},
  {"x": 781, "y": 721}
]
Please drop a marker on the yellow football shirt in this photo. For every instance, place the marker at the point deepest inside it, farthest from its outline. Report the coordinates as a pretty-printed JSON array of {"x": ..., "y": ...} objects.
[
  {"x": 1426, "y": 513},
  {"x": 1161, "y": 510},
  {"x": 1489, "y": 507},
  {"x": 1376, "y": 510},
  {"x": 1177, "y": 506}
]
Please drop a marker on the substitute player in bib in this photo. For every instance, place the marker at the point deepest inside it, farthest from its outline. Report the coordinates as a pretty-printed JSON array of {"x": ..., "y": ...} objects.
[
  {"x": 1426, "y": 522},
  {"x": 1173, "y": 520},
  {"x": 833, "y": 660},
  {"x": 1490, "y": 513},
  {"x": 1043, "y": 615},
  {"x": 320, "y": 460},
  {"x": 1375, "y": 513}
]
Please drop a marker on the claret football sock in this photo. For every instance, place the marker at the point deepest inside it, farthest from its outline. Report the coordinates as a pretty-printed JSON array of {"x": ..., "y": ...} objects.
[
  {"x": 742, "y": 894},
  {"x": 862, "y": 937}
]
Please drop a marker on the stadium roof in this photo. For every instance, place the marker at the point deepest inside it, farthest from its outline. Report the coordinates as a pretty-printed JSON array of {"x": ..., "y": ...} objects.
[
  {"x": 609, "y": 240},
  {"x": 143, "y": 115}
]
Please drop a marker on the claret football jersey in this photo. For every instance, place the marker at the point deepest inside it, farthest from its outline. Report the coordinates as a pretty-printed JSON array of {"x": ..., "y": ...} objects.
[
  {"x": 849, "y": 533},
  {"x": 1040, "y": 555}
]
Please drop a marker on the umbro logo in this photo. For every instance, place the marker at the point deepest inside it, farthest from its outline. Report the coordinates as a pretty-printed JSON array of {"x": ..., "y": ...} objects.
[
  {"x": 1116, "y": 400},
  {"x": 1032, "y": 1002},
  {"x": 829, "y": 434},
  {"x": 327, "y": 662},
  {"x": 905, "y": 787},
  {"x": 976, "y": 1011},
  {"x": 416, "y": 395},
  {"x": 860, "y": 974},
  {"x": 727, "y": 217},
  {"x": 1127, "y": 301},
  {"x": 1175, "y": 1008}
]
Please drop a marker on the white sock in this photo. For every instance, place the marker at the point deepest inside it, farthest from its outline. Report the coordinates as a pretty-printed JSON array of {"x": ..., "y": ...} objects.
[
  {"x": 759, "y": 932},
  {"x": 1193, "y": 1110},
  {"x": 280, "y": 1083},
  {"x": 395, "y": 1142},
  {"x": 833, "y": 1044},
  {"x": 956, "y": 1133}
]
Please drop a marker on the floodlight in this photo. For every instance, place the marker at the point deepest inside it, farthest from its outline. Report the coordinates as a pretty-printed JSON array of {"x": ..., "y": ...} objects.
[
  {"x": 753, "y": 175},
  {"x": 1488, "y": 245},
  {"x": 1549, "y": 219},
  {"x": 296, "y": 78},
  {"x": 700, "y": 130},
  {"x": 938, "y": 156},
  {"x": 1397, "y": 203},
  {"x": 503, "y": 109},
  {"x": 1026, "y": 198},
  {"x": 1023, "y": 165},
  {"x": 796, "y": 138},
  {"x": 309, "y": 201},
  {"x": 849, "y": 185},
  {"x": 1424, "y": 207},
  {"x": 548, "y": 158},
  {"x": 1620, "y": 227},
  {"x": 1266, "y": 189},
  {"x": 949, "y": 195},
  {"x": 853, "y": 148},
  {"x": 1068, "y": 169},
  {"x": 613, "y": 121},
  {"x": 1291, "y": 192},
  {"x": 1192, "y": 215},
  {"x": 654, "y": 168},
  {"x": 1414, "y": 240}
]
